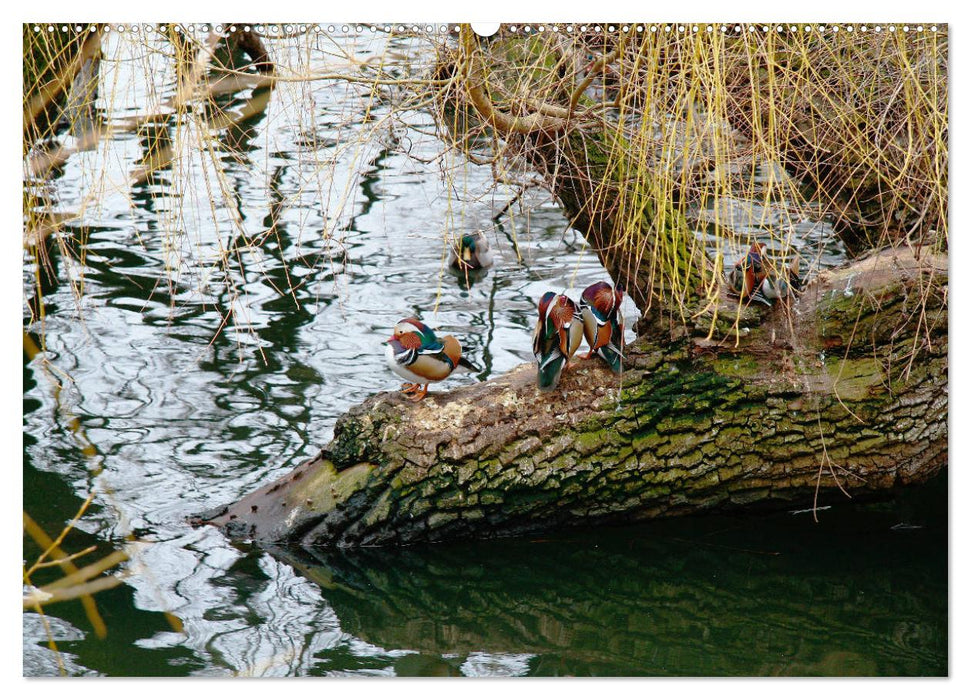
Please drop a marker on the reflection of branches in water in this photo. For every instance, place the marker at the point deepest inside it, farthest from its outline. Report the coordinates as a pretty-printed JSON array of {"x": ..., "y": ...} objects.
[
  {"x": 370, "y": 176},
  {"x": 652, "y": 600},
  {"x": 202, "y": 125},
  {"x": 203, "y": 73},
  {"x": 183, "y": 139},
  {"x": 490, "y": 331},
  {"x": 77, "y": 582}
]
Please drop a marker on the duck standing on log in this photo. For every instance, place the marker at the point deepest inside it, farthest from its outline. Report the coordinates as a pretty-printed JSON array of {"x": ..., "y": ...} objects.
[
  {"x": 558, "y": 333},
  {"x": 746, "y": 278},
  {"x": 783, "y": 286},
  {"x": 603, "y": 325},
  {"x": 416, "y": 354}
]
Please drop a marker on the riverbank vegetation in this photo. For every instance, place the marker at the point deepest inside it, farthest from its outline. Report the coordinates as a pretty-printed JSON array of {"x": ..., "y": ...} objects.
[
  {"x": 672, "y": 148},
  {"x": 650, "y": 134}
]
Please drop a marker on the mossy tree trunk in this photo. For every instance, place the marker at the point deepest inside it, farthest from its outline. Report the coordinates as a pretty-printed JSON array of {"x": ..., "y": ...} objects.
[
  {"x": 844, "y": 392},
  {"x": 645, "y": 245}
]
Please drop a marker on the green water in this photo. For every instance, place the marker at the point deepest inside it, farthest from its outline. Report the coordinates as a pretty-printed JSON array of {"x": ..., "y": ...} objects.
[{"x": 198, "y": 381}]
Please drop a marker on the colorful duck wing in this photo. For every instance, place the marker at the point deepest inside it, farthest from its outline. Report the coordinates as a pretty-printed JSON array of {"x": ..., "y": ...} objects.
[
  {"x": 605, "y": 339},
  {"x": 546, "y": 346},
  {"x": 575, "y": 337},
  {"x": 590, "y": 325},
  {"x": 748, "y": 274},
  {"x": 434, "y": 368},
  {"x": 549, "y": 359},
  {"x": 565, "y": 317},
  {"x": 548, "y": 373},
  {"x": 602, "y": 321},
  {"x": 613, "y": 358},
  {"x": 430, "y": 344},
  {"x": 612, "y": 351},
  {"x": 453, "y": 349},
  {"x": 543, "y": 323}
]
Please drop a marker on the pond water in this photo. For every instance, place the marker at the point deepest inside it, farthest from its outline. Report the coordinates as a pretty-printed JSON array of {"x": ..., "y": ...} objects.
[{"x": 234, "y": 305}]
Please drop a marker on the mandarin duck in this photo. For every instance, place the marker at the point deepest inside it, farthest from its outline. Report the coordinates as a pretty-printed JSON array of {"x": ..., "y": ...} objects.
[
  {"x": 783, "y": 286},
  {"x": 472, "y": 253},
  {"x": 603, "y": 324},
  {"x": 556, "y": 338},
  {"x": 415, "y": 353},
  {"x": 746, "y": 278}
]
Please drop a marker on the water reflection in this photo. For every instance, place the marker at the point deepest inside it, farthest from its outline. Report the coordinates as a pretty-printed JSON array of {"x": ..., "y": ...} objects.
[
  {"x": 234, "y": 307},
  {"x": 707, "y": 597}
]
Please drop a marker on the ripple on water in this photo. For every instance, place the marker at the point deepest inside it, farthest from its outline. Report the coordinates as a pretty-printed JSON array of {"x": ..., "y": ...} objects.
[{"x": 229, "y": 318}]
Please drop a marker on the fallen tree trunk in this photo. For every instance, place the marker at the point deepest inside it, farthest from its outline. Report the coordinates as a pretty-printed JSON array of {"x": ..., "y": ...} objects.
[{"x": 846, "y": 391}]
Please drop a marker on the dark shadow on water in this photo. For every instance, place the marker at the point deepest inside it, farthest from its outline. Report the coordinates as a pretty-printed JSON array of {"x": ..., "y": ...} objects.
[
  {"x": 863, "y": 592},
  {"x": 466, "y": 279}
]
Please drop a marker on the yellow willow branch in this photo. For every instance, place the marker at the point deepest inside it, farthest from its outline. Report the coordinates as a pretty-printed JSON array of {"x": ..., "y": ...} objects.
[
  {"x": 502, "y": 122},
  {"x": 90, "y": 45}
]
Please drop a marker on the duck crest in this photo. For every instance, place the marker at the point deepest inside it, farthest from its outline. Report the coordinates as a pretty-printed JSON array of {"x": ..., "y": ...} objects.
[{"x": 602, "y": 298}]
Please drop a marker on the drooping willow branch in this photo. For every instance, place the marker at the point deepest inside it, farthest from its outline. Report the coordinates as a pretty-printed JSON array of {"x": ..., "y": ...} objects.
[
  {"x": 501, "y": 121},
  {"x": 90, "y": 46}
]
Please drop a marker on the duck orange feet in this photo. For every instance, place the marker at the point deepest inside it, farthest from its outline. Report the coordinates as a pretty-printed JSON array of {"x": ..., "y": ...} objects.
[{"x": 418, "y": 395}]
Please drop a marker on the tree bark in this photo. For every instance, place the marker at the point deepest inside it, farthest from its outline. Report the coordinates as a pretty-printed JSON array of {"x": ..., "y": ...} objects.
[{"x": 845, "y": 391}]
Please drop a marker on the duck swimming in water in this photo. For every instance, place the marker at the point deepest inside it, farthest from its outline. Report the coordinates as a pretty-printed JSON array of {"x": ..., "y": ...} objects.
[{"x": 471, "y": 253}]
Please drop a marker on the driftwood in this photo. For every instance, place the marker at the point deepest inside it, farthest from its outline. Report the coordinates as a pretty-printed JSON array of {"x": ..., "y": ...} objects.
[{"x": 844, "y": 393}]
